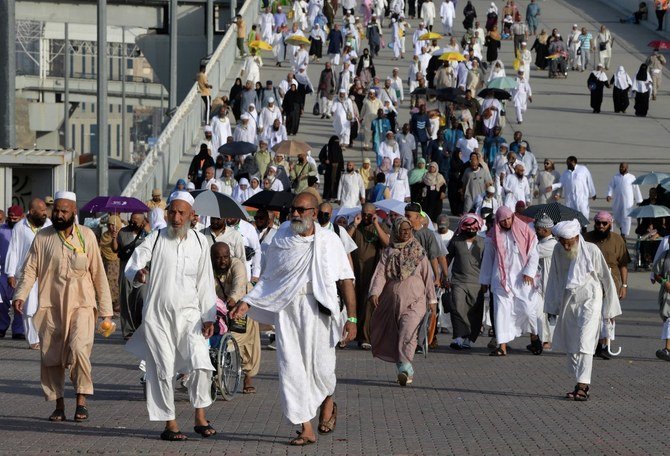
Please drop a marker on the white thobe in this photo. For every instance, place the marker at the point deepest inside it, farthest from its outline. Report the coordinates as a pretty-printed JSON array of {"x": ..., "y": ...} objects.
[
  {"x": 246, "y": 134},
  {"x": 398, "y": 184},
  {"x": 577, "y": 187},
  {"x": 418, "y": 44},
  {"x": 274, "y": 137},
  {"x": 428, "y": 13},
  {"x": 515, "y": 306},
  {"x": 526, "y": 59},
  {"x": 390, "y": 151},
  {"x": 231, "y": 237},
  {"x": 447, "y": 15},
  {"x": 251, "y": 71},
  {"x": 278, "y": 46},
  {"x": 23, "y": 234},
  {"x": 494, "y": 120},
  {"x": 301, "y": 271},
  {"x": 227, "y": 186},
  {"x": 624, "y": 195},
  {"x": 341, "y": 110},
  {"x": 388, "y": 93},
  {"x": 180, "y": 297},
  {"x": 545, "y": 250},
  {"x": 220, "y": 132},
  {"x": 300, "y": 58},
  {"x": 250, "y": 236},
  {"x": 350, "y": 190},
  {"x": 398, "y": 87},
  {"x": 267, "y": 24},
  {"x": 520, "y": 97},
  {"x": 514, "y": 190},
  {"x": 268, "y": 116}
]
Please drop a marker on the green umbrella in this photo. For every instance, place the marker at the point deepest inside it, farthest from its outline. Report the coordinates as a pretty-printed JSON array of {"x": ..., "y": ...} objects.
[{"x": 505, "y": 83}]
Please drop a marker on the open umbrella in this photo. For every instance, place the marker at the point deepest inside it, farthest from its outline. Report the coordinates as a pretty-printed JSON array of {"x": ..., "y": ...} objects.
[
  {"x": 498, "y": 94},
  {"x": 650, "y": 211},
  {"x": 115, "y": 204},
  {"x": 430, "y": 36},
  {"x": 453, "y": 57},
  {"x": 215, "y": 204},
  {"x": 291, "y": 148},
  {"x": 348, "y": 212},
  {"x": 665, "y": 183},
  {"x": 652, "y": 178},
  {"x": 272, "y": 201},
  {"x": 659, "y": 44},
  {"x": 391, "y": 205},
  {"x": 557, "y": 212},
  {"x": 296, "y": 40},
  {"x": 449, "y": 94},
  {"x": 262, "y": 45},
  {"x": 237, "y": 148},
  {"x": 505, "y": 83}
]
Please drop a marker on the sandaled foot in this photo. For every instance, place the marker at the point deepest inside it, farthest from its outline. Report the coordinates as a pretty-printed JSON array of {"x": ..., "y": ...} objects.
[
  {"x": 498, "y": 352},
  {"x": 249, "y": 390},
  {"x": 80, "y": 413},
  {"x": 582, "y": 393},
  {"x": 57, "y": 415},
  {"x": 34, "y": 346},
  {"x": 173, "y": 436},
  {"x": 326, "y": 427},
  {"x": 403, "y": 378},
  {"x": 301, "y": 440},
  {"x": 205, "y": 431}
]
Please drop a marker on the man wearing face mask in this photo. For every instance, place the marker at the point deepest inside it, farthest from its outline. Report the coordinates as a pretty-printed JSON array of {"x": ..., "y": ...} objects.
[
  {"x": 351, "y": 191},
  {"x": 65, "y": 261},
  {"x": 324, "y": 216},
  {"x": 14, "y": 214}
]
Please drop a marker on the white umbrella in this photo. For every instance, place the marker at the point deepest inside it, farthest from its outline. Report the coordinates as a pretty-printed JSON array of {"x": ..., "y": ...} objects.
[
  {"x": 650, "y": 178},
  {"x": 650, "y": 211},
  {"x": 347, "y": 212},
  {"x": 391, "y": 205}
]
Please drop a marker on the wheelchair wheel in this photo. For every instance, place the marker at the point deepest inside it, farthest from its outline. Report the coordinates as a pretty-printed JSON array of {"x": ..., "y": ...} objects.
[{"x": 228, "y": 367}]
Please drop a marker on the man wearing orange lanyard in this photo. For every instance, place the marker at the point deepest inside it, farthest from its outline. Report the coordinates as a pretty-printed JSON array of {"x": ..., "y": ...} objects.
[{"x": 65, "y": 261}]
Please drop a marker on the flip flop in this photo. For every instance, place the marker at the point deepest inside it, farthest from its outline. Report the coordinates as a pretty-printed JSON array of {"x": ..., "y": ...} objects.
[
  {"x": 172, "y": 436},
  {"x": 205, "y": 431},
  {"x": 58, "y": 415},
  {"x": 80, "y": 413}
]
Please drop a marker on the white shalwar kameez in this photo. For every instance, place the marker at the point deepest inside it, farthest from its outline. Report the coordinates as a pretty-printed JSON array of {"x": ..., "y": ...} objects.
[
  {"x": 447, "y": 15},
  {"x": 267, "y": 25},
  {"x": 624, "y": 195},
  {"x": 389, "y": 150},
  {"x": 398, "y": 183},
  {"x": 428, "y": 13},
  {"x": 301, "y": 271},
  {"x": 515, "y": 190},
  {"x": 545, "y": 250},
  {"x": 581, "y": 293},
  {"x": 351, "y": 190},
  {"x": 515, "y": 306},
  {"x": 180, "y": 297},
  {"x": 343, "y": 114},
  {"x": 577, "y": 187},
  {"x": 220, "y": 132},
  {"x": 526, "y": 59},
  {"x": 520, "y": 96},
  {"x": 23, "y": 234}
]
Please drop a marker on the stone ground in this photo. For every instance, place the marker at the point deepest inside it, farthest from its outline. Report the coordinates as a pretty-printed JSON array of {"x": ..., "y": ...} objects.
[{"x": 460, "y": 403}]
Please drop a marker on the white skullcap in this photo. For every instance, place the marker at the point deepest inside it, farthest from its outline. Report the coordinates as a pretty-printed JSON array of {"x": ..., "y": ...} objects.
[
  {"x": 244, "y": 181},
  {"x": 490, "y": 189},
  {"x": 567, "y": 230},
  {"x": 271, "y": 100},
  {"x": 343, "y": 91},
  {"x": 523, "y": 43},
  {"x": 373, "y": 91},
  {"x": 182, "y": 196},
  {"x": 245, "y": 116},
  {"x": 190, "y": 186},
  {"x": 251, "y": 105},
  {"x": 255, "y": 178},
  {"x": 273, "y": 168},
  {"x": 208, "y": 129},
  {"x": 66, "y": 196}
]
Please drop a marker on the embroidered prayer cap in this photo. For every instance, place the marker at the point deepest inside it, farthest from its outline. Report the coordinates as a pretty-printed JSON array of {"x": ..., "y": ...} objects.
[
  {"x": 66, "y": 195},
  {"x": 603, "y": 216},
  {"x": 182, "y": 196},
  {"x": 567, "y": 230},
  {"x": 544, "y": 221}
]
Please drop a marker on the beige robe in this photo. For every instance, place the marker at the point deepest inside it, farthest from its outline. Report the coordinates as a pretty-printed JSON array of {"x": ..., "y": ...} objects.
[
  {"x": 69, "y": 286},
  {"x": 235, "y": 286}
]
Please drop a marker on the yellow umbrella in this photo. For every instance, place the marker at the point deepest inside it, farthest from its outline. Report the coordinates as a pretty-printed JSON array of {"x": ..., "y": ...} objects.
[
  {"x": 262, "y": 45},
  {"x": 296, "y": 40},
  {"x": 452, "y": 57},
  {"x": 430, "y": 36}
]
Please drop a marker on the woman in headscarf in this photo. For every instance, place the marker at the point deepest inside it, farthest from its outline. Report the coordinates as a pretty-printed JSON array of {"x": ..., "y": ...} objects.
[
  {"x": 415, "y": 179},
  {"x": 365, "y": 70},
  {"x": 492, "y": 43},
  {"x": 254, "y": 185},
  {"x": 470, "y": 14},
  {"x": 641, "y": 88},
  {"x": 242, "y": 191},
  {"x": 401, "y": 289},
  {"x": 317, "y": 37},
  {"x": 497, "y": 71},
  {"x": 492, "y": 17},
  {"x": 332, "y": 159},
  {"x": 235, "y": 101},
  {"x": 202, "y": 161},
  {"x": 541, "y": 48},
  {"x": 385, "y": 166},
  {"x": 597, "y": 81},
  {"x": 454, "y": 193},
  {"x": 291, "y": 108},
  {"x": 180, "y": 186},
  {"x": 621, "y": 85},
  {"x": 110, "y": 259},
  {"x": 434, "y": 191}
]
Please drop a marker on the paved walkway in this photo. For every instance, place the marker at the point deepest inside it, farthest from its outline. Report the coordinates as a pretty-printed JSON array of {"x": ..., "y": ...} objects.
[{"x": 460, "y": 403}]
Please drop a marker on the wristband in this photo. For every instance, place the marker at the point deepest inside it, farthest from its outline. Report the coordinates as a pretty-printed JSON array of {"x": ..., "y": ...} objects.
[{"x": 352, "y": 319}]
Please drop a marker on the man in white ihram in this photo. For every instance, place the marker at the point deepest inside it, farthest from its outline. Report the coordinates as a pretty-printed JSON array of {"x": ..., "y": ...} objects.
[
  {"x": 178, "y": 316},
  {"x": 576, "y": 185},
  {"x": 625, "y": 195},
  {"x": 581, "y": 292},
  {"x": 298, "y": 292}
]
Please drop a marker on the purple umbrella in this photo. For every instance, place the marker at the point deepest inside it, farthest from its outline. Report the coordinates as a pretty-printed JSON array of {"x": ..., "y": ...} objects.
[{"x": 115, "y": 204}]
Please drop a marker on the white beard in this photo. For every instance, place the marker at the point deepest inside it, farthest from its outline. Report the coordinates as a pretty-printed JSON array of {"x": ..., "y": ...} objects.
[
  {"x": 300, "y": 226},
  {"x": 175, "y": 233},
  {"x": 573, "y": 252}
]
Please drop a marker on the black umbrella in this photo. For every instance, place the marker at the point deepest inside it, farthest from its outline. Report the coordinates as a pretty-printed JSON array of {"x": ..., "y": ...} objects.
[
  {"x": 237, "y": 148},
  {"x": 272, "y": 201},
  {"x": 557, "y": 212},
  {"x": 498, "y": 94},
  {"x": 215, "y": 204},
  {"x": 453, "y": 94},
  {"x": 419, "y": 91}
]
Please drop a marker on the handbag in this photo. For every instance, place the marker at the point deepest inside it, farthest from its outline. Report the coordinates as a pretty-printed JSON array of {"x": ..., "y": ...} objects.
[
  {"x": 315, "y": 110},
  {"x": 602, "y": 46}
]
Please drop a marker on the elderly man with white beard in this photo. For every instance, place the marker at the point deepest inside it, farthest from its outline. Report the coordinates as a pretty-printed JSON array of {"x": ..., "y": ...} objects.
[
  {"x": 178, "y": 316},
  {"x": 581, "y": 293},
  {"x": 307, "y": 268}
]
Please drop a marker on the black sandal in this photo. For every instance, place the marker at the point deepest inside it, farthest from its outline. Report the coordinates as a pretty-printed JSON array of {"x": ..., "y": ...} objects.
[
  {"x": 172, "y": 436},
  {"x": 58, "y": 415},
  {"x": 80, "y": 413},
  {"x": 536, "y": 347},
  {"x": 205, "y": 431},
  {"x": 301, "y": 441},
  {"x": 498, "y": 352},
  {"x": 582, "y": 393}
]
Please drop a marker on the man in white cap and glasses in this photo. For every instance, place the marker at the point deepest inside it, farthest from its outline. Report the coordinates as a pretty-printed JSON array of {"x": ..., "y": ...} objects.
[
  {"x": 178, "y": 316},
  {"x": 580, "y": 293},
  {"x": 65, "y": 261}
]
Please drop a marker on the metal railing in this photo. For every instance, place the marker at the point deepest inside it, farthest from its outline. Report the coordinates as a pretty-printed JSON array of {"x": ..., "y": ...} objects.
[{"x": 184, "y": 129}]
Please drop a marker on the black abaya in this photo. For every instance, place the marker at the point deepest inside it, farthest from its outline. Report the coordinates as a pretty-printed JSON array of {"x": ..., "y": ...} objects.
[
  {"x": 291, "y": 107},
  {"x": 596, "y": 86},
  {"x": 620, "y": 99},
  {"x": 641, "y": 103}
]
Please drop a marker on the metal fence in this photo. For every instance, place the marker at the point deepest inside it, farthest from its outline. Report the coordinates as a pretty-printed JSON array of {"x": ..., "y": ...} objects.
[{"x": 183, "y": 131}]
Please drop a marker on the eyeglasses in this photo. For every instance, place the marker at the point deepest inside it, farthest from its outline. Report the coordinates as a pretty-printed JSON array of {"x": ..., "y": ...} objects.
[{"x": 299, "y": 210}]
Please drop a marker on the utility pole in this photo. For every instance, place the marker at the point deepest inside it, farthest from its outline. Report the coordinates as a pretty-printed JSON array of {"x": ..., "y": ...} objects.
[
  {"x": 66, "y": 89},
  {"x": 7, "y": 73},
  {"x": 172, "y": 103},
  {"x": 210, "y": 27},
  {"x": 123, "y": 64},
  {"x": 103, "y": 108}
]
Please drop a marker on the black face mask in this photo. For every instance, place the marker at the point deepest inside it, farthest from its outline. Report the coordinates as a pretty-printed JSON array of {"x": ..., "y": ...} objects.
[
  {"x": 469, "y": 234},
  {"x": 323, "y": 217}
]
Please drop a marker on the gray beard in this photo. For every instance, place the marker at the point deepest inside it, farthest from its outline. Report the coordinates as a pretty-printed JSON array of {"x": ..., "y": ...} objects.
[
  {"x": 301, "y": 226},
  {"x": 572, "y": 253},
  {"x": 177, "y": 233}
]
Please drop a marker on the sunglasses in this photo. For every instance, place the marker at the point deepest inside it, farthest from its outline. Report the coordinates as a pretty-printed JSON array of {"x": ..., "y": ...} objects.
[
  {"x": 299, "y": 210},
  {"x": 600, "y": 223}
]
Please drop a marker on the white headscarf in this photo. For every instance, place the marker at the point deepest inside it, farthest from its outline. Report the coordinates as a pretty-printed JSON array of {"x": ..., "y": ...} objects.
[
  {"x": 621, "y": 79},
  {"x": 157, "y": 219},
  {"x": 493, "y": 8},
  {"x": 599, "y": 74},
  {"x": 582, "y": 266}
]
